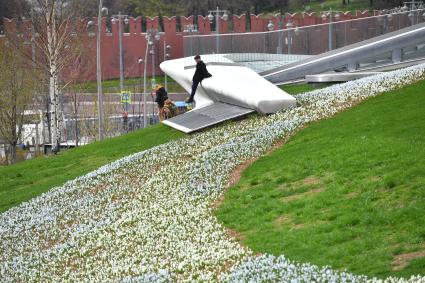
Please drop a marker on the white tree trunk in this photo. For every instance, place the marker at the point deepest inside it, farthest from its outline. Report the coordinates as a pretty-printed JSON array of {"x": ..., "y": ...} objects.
[
  {"x": 53, "y": 82},
  {"x": 54, "y": 121}
]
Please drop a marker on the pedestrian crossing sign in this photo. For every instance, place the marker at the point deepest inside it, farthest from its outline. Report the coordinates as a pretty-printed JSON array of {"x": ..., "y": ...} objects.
[{"x": 126, "y": 96}]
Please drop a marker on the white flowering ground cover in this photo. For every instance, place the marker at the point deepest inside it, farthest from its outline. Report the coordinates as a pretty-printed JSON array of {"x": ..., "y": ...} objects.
[{"x": 148, "y": 217}]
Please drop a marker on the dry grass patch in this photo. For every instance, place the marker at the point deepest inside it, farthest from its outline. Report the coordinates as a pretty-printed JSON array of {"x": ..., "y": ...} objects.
[
  {"x": 402, "y": 260},
  {"x": 282, "y": 220},
  {"x": 376, "y": 178},
  {"x": 235, "y": 235},
  {"x": 235, "y": 176},
  {"x": 302, "y": 195},
  {"x": 352, "y": 195}
]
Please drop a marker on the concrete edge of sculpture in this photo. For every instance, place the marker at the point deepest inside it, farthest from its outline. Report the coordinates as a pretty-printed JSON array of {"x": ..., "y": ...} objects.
[
  {"x": 177, "y": 127},
  {"x": 338, "y": 77},
  {"x": 205, "y": 117},
  {"x": 232, "y": 84}
]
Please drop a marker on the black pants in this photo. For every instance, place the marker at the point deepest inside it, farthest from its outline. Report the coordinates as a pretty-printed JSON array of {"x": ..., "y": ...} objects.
[{"x": 194, "y": 88}]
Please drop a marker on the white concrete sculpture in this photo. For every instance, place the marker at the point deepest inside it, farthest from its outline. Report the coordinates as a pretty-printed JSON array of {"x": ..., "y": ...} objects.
[{"x": 230, "y": 83}]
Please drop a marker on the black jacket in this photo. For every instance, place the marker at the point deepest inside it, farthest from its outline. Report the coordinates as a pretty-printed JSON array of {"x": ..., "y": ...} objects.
[
  {"x": 161, "y": 96},
  {"x": 200, "y": 73}
]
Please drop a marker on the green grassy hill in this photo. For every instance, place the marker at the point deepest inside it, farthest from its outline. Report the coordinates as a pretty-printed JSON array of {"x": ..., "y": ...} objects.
[
  {"x": 23, "y": 181},
  {"x": 347, "y": 192},
  {"x": 336, "y": 5}
]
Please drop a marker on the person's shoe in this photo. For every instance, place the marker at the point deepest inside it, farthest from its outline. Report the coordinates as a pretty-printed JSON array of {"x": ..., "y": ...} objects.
[{"x": 189, "y": 100}]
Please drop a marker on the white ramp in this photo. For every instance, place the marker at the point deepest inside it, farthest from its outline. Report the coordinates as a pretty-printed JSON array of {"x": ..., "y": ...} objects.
[{"x": 207, "y": 116}]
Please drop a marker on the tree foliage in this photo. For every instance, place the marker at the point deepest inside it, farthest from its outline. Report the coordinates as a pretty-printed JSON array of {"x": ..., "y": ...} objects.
[
  {"x": 55, "y": 31},
  {"x": 18, "y": 83},
  {"x": 14, "y": 8},
  {"x": 88, "y": 8}
]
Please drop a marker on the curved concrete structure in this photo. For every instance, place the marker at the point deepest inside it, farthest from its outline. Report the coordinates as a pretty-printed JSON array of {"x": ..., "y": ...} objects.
[
  {"x": 350, "y": 55},
  {"x": 338, "y": 77},
  {"x": 232, "y": 84}
]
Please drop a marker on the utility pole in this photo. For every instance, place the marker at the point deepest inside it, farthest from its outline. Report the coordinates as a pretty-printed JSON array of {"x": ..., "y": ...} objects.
[
  {"x": 120, "y": 49},
  {"x": 119, "y": 18},
  {"x": 217, "y": 13},
  {"x": 98, "y": 70},
  {"x": 152, "y": 35}
]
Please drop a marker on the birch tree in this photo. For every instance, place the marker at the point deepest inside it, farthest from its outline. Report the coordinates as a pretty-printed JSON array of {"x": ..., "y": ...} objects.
[
  {"x": 52, "y": 36},
  {"x": 57, "y": 34}
]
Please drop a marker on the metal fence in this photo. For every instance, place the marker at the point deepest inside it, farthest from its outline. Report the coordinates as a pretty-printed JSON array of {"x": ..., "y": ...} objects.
[{"x": 307, "y": 40}]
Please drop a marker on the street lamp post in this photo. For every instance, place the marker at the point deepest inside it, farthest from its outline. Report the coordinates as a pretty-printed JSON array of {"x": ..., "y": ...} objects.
[
  {"x": 225, "y": 17},
  {"x": 330, "y": 25},
  {"x": 145, "y": 117},
  {"x": 271, "y": 26},
  {"x": 167, "y": 55},
  {"x": 289, "y": 25},
  {"x": 151, "y": 36},
  {"x": 190, "y": 29},
  {"x": 140, "y": 62},
  {"x": 415, "y": 8},
  {"x": 153, "y": 80},
  {"x": 98, "y": 66},
  {"x": 119, "y": 18}
]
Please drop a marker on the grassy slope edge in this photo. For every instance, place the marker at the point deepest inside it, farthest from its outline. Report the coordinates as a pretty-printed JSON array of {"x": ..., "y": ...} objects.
[
  {"x": 23, "y": 181},
  {"x": 347, "y": 192}
]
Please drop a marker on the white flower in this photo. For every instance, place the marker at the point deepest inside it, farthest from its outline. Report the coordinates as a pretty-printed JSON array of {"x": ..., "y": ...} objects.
[{"x": 147, "y": 217}]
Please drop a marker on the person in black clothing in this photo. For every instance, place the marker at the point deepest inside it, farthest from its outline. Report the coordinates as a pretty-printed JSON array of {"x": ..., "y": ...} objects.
[
  {"x": 201, "y": 73},
  {"x": 161, "y": 96},
  {"x": 166, "y": 107}
]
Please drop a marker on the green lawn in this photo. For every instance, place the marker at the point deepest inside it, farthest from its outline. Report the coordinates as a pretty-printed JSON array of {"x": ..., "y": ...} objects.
[
  {"x": 347, "y": 192},
  {"x": 303, "y": 87},
  {"x": 25, "y": 180},
  {"x": 317, "y": 6}
]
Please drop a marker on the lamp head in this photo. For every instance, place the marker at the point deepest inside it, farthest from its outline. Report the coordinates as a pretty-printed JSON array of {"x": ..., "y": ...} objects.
[
  {"x": 270, "y": 25},
  {"x": 210, "y": 17},
  {"x": 337, "y": 16},
  {"x": 225, "y": 16}
]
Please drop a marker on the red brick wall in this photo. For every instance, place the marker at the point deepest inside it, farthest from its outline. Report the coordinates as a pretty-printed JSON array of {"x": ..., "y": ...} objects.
[{"x": 134, "y": 42}]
